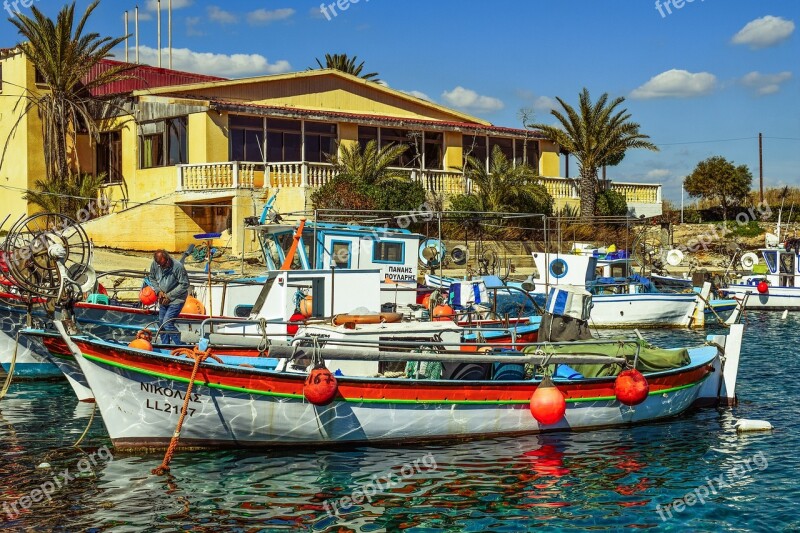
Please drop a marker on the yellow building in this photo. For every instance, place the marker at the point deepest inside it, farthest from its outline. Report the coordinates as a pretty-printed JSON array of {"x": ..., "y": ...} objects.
[{"x": 194, "y": 154}]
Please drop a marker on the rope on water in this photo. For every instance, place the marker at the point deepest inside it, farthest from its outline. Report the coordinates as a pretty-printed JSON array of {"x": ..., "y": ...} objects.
[
  {"x": 10, "y": 375},
  {"x": 199, "y": 357},
  {"x": 85, "y": 431}
]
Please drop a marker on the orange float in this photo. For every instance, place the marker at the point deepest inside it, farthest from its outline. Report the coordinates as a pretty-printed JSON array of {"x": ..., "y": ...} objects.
[
  {"x": 443, "y": 313},
  {"x": 631, "y": 387},
  {"x": 306, "y": 306},
  {"x": 193, "y": 306},
  {"x": 320, "y": 386},
  {"x": 147, "y": 296},
  {"x": 547, "y": 403},
  {"x": 378, "y": 318},
  {"x": 143, "y": 341}
]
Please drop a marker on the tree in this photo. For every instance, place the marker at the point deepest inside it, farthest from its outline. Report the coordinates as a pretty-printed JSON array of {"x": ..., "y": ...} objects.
[
  {"x": 67, "y": 196},
  {"x": 596, "y": 134},
  {"x": 64, "y": 56},
  {"x": 611, "y": 203},
  {"x": 505, "y": 188},
  {"x": 718, "y": 179},
  {"x": 372, "y": 165},
  {"x": 347, "y": 64}
]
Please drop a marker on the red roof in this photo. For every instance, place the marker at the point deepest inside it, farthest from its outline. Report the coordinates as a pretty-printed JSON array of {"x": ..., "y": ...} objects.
[
  {"x": 144, "y": 77},
  {"x": 364, "y": 118}
]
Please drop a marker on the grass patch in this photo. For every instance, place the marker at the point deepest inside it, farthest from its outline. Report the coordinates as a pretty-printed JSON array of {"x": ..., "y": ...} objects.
[{"x": 749, "y": 230}]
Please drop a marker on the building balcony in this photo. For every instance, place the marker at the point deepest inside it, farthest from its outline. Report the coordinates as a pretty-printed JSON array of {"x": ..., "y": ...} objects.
[{"x": 641, "y": 197}]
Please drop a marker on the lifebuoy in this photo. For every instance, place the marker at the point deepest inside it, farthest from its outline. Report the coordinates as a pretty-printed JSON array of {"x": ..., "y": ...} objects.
[{"x": 377, "y": 318}]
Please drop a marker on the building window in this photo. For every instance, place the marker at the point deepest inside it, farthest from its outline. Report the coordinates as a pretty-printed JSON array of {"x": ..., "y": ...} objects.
[
  {"x": 411, "y": 139},
  {"x": 434, "y": 150},
  {"x": 527, "y": 153},
  {"x": 38, "y": 77},
  {"x": 163, "y": 143},
  {"x": 109, "y": 156},
  {"x": 367, "y": 134},
  {"x": 247, "y": 136},
  {"x": 320, "y": 141},
  {"x": 506, "y": 146},
  {"x": 387, "y": 252},
  {"x": 474, "y": 146},
  {"x": 284, "y": 142}
]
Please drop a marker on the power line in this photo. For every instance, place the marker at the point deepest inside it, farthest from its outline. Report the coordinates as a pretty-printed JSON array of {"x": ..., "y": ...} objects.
[{"x": 711, "y": 141}]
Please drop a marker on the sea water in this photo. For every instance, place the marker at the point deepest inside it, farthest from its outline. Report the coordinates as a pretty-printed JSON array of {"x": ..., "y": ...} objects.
[{"x": 694, "y": 473}]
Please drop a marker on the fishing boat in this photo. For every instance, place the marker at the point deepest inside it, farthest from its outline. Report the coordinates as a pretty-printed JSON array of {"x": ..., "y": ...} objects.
[
  {"x": 140, "y": 394},
  {"x": 776, "y": 285}
]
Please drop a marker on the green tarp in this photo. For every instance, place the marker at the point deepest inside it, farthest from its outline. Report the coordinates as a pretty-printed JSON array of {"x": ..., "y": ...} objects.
[{"x": 651, "y": 359}]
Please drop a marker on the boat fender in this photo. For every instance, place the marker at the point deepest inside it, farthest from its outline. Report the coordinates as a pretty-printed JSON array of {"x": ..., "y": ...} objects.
[
  {"x": 745, "y": 426},
  {"x": 548, "y": 404},
  {"x": 762, "y": 287}
]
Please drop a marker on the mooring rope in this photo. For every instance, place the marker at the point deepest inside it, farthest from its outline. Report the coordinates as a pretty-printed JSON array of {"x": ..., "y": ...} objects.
[
  {"x": 85, "y": 431},
  {"x": 10, "y": 375},
  {"x": 198, "y": 356}
]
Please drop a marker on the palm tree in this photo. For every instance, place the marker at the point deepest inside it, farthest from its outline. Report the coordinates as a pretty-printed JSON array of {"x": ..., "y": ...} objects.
[
  {"x": 67, "y": 196},
  {"x": 597, "y": 135},
  {"x": 64, "y": 56},
  {"x": 370, "y": 165},
  {"x": 347, "y": 64},
  {"x": 506, "y": 188}
]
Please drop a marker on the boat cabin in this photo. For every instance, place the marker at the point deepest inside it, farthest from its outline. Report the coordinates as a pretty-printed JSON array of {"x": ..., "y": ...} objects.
[{"x": 783, "y": 266}]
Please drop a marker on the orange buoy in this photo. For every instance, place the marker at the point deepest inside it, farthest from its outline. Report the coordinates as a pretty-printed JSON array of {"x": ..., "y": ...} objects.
[
  {"x": 547, "y": 403},
  {"x": 306, "y": 306},
  {"x": 143, "y": 341},
  {"x": 320, "y": 386},
  {"x": 426, "y": 301},
  {"x": 442, "y": 313},
  {"x": 193, "y": 306},
  {"x": 147, "y": 296},
  {"x": 762, "y": 287},
  {"x": 294, "y": 323},
  {"x": 631, "y": 387}
]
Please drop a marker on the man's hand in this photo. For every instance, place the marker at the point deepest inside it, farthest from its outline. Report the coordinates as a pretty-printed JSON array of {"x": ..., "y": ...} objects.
[{"x": 163, "y": 299}]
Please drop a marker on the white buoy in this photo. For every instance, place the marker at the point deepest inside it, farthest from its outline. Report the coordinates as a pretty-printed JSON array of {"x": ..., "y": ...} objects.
[
  {"x": 745, "y": 425},
  {"x": 785, "y": 314}
]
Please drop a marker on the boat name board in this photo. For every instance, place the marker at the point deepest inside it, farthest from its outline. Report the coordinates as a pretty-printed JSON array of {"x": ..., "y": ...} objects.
[{"x": 398, "y": 273}]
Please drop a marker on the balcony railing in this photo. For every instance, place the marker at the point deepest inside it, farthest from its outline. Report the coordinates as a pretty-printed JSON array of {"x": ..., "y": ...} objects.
[
  {"x": 238, "y": 175},
  {"x": 228, "y": 175}
]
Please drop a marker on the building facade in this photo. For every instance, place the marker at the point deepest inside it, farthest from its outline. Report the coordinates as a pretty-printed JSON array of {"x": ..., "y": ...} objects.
[{"x": 186, "y": 154}]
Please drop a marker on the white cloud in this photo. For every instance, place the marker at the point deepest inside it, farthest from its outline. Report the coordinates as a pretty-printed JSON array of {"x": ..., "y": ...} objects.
[
  {"x": 764, "y": 32},
  {"x": 545, "y": 104},
  {"x": 229, "y": 66},
  {"x": 676, "y": 84},
  {"x": 220, "y": 15},
  {"x": 469, "y": 99},
  {"x": 152, "y": 5},
  {"x": 264, "y": 16},
  {"x": 765, "y": 83},
  {"x": 658, "y": 174},
  {"x": 419, "y": 95}
]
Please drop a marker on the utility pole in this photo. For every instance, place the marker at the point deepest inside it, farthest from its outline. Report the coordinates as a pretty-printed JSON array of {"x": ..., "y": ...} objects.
[
  {"x": 158, "y": 20},
  {"x": 760, "y": 168},
  {"x": 136, "y": 24},
  {"x": 126, "y": 36},
  {"x": 169, "y": 31}
]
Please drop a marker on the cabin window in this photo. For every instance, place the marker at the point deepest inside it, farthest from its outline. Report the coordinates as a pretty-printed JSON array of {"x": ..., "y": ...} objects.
[
  {"x": 388, "y": 252},
  {"x": 411, "y": 139},
  {"x": 619, "y": 271},
  {"x": 246, "y": 138},
  {"x": 475, "y": 146},
  {"x": 284, "y": 141},
  {"x": 434, "y": 150},
  {"x": 163, "y": 143},
  {"x": 340, "y": 254},
  {"x": 109, "y": 156},
  {"x": 242, "y": 311},
  {"x": 320, "y": 141},
  {"x": 771, "y": 259}
]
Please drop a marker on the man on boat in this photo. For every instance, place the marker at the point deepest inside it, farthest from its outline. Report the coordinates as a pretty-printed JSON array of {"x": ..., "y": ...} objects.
[{"x": 170, "y": 281}]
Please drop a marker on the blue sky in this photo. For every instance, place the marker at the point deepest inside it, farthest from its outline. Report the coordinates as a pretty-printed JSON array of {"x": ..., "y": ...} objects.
[{"x": 702, "y": 79}]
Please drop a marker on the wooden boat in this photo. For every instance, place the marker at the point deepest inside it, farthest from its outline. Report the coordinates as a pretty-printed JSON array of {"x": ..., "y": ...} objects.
[{"x": 140, "y": 396}]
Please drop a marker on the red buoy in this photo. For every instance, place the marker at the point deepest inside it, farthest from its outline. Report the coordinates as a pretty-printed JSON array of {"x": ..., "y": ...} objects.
[
  {"x": 294, "y": 323},
  {"x": 143, "y": 341},
  {"x": 443, "y": 313},
  {"x": 762, "y": 287},
  {"x": 320, "y": 386},
  {"x": 547, "y": 403},
  {"x": 631, "y": 387},
  {"x": 147, "y": 296}
]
